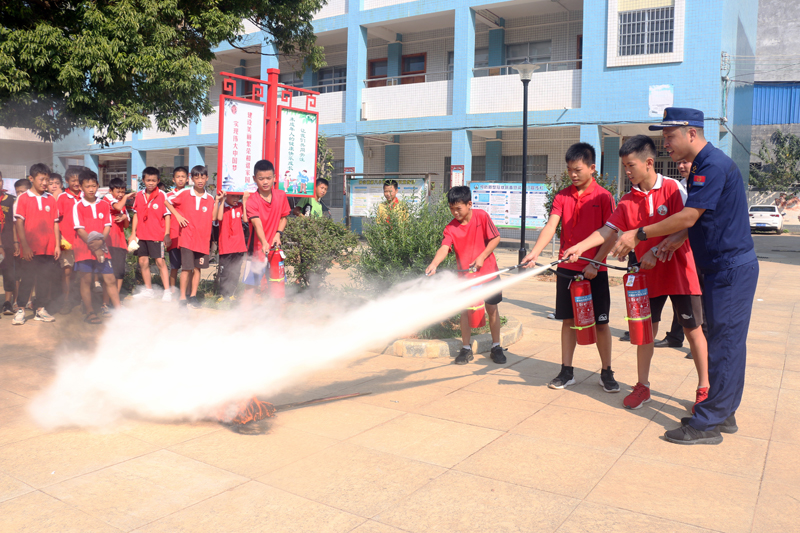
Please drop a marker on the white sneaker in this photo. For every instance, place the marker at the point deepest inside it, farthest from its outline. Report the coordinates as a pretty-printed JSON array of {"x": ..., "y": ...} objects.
[
  {"x": 43, "y": 316},
  {"x": 167, "y": 296},
  {"x": 19, "y": 317},
  {"x": 144, "y": 294},
  {"x": 98, "y": 289}
]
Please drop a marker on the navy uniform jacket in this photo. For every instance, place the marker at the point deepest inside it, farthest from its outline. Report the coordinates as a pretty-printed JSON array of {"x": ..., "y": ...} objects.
[{"x": 721, "y": 238}]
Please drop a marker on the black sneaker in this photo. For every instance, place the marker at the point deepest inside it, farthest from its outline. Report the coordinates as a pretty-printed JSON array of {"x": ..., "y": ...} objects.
[
  {"x": 626, "y": 337},
  {"x": 564, "y": 379},
  {"x": 464, "y": 356},
  {"x": 8, "y": 308},
  {"x": 498, "y": 356},
  {"x": 193, "y": 303},
  {"x": 607, "y": 380},
  {"x": 729, "y": 426},
  {"x": 688, "y": 435}
]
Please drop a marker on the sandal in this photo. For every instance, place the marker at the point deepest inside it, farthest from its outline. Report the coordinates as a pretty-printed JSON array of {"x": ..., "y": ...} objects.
[
  {"x": 105, "y": 311},
  {"x": 92, "y": 318}
]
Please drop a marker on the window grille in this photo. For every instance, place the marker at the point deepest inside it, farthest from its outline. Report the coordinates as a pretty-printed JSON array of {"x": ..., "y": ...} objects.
[{"x": 646, "y": 31}]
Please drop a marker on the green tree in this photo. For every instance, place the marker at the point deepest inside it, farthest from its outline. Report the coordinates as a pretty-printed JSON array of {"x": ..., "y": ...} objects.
[
  {"x": 557, "y": 183},
  {"x": 780, "y": 170},
  {"x": 110, "y": 64},
  {"x": 317, "y": 243}
]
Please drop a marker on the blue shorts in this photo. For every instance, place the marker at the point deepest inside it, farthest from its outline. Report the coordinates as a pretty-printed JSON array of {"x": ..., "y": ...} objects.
[
  {"x": 254, "y": 271},
  {"x": 90, "y": 266}
]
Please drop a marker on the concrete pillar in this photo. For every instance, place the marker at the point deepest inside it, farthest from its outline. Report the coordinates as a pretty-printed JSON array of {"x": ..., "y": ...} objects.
[
  {"x": 240, "y": 70},
  {"x": 178, "y": 160},
  {"x": 354, "y": 158},
  {"x": 391, "y": 156},
  {"x": 92, "y": 162},
  {"x": 461, "y": 152},
  {"x": 356, "y": 69},
  {"x": 463, "y": 63},
  {"x": 591, "y": 135},
  {"x": 612, "y": 161},
  {"x": 310, "y": 78},
  {"x": 394, "y": 62},
  {"x": 59, "y": 165},
  {"x": 138, "y": 163},
  {"x": 497, "y": 47},
  {"x": 128, "y": 167},
  {"x": 197, "y": 156},
  {"x": 494, "y": 159}
]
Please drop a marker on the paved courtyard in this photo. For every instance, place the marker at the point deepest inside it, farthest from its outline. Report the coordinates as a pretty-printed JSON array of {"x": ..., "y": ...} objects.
[{"x": 434, "y": 446}]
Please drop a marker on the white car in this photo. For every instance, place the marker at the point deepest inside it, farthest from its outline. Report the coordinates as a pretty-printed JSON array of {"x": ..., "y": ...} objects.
[{"x": 766, "y": 217}]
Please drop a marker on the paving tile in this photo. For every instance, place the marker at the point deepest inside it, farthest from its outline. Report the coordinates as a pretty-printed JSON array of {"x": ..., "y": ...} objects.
[
  {"x": 26, "y": 376},
  {"x": 510, "y": 384},
  {"x": 255, "y": 507},
  {"x": 755, "y": 397},
  {"x": 778, "y": 508},
  {"x": 9, "y": 399},
  {"x": 166, "y": 434},
  {"x": 54, "y": 457},
  {"x": 764, "y": 377},
  {"x": 481, "y": 505},
  {"x": 11, "y": 488},
  {"x": 756, "y": 423},
  {"x": 16, "y": 425},
  {"x": 737, "y": 455},
  {"x": 485, "y": 410},
  {"x": 370, "y": 526},
  {"x": 427, "y": 439},
  {"x": 253, "y": 455},
  {"x": 541, "y": 464},
  {"x": 678, "y": 493},
  {"x": 602, "y": 431},
  {"x": 338, "y": 420},
  {"x": 36, "y": 512},
  {"x": 791, "y": 380},
  {"x": 402, "y": 397},
  {"x": 783, "y": 463},
  {"x": 133, "y": 493},
  {"x": 353, "y": 478},
  {"x": 594, "y": 518},
  {"x": 768, "y": 357},
  {"x": 789, "y": 400}
]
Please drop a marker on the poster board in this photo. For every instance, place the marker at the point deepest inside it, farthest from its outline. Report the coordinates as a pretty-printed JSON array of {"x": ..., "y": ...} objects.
[
  {"x": 241, "y": 143},
  {"x": 365, "y": 194},
  {"x": 297, "y": 151},
  {"x": 503, "y": 203},
  {"x": 456, "y": 175}
]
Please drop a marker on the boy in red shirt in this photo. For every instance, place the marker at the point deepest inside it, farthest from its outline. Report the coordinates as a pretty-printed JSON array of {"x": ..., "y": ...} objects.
[
  {"x": 652, "y": 199},
  {"x": 66, "y": 201},
  {"x": 36, "y": 221},
  {"x": 581, "y": 208},
  {"x": 118, "y": 248},
  {"x": 93, "y": 224},
  {"x": 473, "y": 237},
  {"x": 180, "y": 177},
  {"x": 230, "y": 213},
  {"x": 150, "y": 227},
  {"x": 197, "y": 207},
  {"x": 266, "y": 211}
]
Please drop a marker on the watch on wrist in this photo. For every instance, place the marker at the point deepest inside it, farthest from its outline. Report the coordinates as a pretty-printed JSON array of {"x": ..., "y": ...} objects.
[
  {"x": 279, "y": 232},
  {"x": 641, "y": 235}
]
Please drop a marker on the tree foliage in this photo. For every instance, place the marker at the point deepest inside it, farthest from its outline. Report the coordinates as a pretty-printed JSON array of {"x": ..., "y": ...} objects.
[
  {"x": 780, "y": 170},
  {"x": 317, "y": 243},
  {"x": 110, "y": 64}
]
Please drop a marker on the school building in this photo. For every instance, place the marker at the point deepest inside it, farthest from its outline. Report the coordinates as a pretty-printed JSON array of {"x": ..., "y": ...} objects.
[{"x": 418, "y": 86}]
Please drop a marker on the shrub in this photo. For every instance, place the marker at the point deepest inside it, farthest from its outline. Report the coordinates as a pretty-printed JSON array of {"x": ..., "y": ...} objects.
[
  {"x": 314, "y": 245},
  {"x": 402, "y": 242}
]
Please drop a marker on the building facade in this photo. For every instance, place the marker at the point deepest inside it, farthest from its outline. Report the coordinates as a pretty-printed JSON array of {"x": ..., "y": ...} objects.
[{"x": 418, "y": 86}]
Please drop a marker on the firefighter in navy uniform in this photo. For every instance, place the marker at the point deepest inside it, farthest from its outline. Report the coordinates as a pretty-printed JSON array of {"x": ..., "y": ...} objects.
[{"x": 716, "y": 215}]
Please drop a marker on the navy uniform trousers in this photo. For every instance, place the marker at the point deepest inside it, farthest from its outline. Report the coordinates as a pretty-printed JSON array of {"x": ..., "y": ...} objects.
[{"x": 728, "y": 301}]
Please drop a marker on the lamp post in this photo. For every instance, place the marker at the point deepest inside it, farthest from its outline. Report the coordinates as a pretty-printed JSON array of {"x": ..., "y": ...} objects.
[{"x": 525, "y": 70}]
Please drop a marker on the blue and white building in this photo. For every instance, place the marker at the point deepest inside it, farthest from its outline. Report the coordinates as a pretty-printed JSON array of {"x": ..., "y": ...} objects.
[{"x": 418, "y": 86}]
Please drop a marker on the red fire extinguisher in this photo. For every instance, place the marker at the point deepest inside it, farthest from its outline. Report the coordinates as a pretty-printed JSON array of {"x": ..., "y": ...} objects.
[
  {"x": 637, "y": 300},
  {"x": 580, "y": 291},
  {"x": 277, "y": 273},
  {"x": 476, "y": 313}
]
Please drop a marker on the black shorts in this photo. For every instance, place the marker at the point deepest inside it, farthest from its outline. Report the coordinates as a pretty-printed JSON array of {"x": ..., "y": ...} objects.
[
  {"x": 688, "y": 309},
  {"x": 601, "y": 296},
  {"x": 175, "y": 259},
  {"x": 153, "y": 249},
  {"x": 191, "y": 259},
  {"x": 118, "y": 258}
]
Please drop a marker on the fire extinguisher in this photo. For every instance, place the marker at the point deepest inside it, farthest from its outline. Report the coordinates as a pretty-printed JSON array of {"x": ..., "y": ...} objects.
[
  {"x": 637, "y": 300},
  {"x": 580, "y": 291},
  {"x": 476, "y": 313},
  {"x": 277, "y": 273}
]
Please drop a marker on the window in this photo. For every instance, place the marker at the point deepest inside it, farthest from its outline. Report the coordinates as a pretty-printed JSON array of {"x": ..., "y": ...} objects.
[
  {"x": 478, "y": 169},
  {"x": 378, "y": 68},
  {"x": 481, "y": 61},
  {"x": 332, "y": 79},
  {"x": 646, "y": 31},
  {"x": 536, "y": 172},
  {"x": 536, "y": 52},
  {"x": 292, "y": 79},
  {"x": 413, "y": 64},
  {"x": 114, "y": 168}
]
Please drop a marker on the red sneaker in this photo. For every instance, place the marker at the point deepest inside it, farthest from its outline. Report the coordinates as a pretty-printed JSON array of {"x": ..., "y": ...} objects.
[
  {"x": 638, "y": 397},
  {"x": 702, "y": 394}
]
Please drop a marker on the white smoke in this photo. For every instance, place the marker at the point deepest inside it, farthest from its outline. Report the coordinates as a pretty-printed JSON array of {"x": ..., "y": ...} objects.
[{"x": 151, "y": 362}]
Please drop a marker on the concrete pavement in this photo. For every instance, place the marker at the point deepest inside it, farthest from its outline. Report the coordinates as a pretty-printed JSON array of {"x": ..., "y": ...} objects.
[{"x": 434, "y": 447}]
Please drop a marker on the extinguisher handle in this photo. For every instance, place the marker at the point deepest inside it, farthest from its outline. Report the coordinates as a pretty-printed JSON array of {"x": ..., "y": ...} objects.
[{"x": 600, "y": 263}]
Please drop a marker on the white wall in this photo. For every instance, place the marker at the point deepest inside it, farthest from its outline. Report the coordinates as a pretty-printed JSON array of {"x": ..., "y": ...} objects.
[
  {"x": 546, "y": 90},
  {"x": 431, "y": 99}
]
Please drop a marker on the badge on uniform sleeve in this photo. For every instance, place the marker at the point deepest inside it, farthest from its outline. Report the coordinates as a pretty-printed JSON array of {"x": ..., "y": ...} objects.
[
  {"x": 699, "y": 181},
  {"x": 205, "y": 209},
  {"x": 662, "y": 210}
]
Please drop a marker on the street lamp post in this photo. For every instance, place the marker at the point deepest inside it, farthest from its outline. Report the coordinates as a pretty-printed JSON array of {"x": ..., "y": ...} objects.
[{"x": 525, "y": 70}]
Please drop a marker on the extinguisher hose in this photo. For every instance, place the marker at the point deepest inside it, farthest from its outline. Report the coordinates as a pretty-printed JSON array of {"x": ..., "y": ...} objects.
[{"x": 600, "y": 263}]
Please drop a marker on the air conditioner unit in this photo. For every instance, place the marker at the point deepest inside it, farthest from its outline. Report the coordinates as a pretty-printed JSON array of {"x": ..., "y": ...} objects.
[{"x": 364, "y": 108}]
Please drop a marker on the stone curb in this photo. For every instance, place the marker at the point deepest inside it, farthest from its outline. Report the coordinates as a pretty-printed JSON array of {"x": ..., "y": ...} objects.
[{"x": 509, "y": 334}]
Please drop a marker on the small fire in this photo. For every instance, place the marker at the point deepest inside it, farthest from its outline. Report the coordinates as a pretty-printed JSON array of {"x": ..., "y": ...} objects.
[{"x": 246, "y": 412}]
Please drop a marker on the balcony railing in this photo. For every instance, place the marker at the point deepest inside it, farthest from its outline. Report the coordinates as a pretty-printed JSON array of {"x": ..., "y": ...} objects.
[
  {"x": 407, "y": 100},
  {"x": 408, "y": 79},
  {"x": 547, "y": 66}
]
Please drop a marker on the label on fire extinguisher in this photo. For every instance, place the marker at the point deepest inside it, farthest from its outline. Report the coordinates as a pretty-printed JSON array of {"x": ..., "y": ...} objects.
[
  {"x": 638, "y": 304},
  {"x": 585, "y": 310}
]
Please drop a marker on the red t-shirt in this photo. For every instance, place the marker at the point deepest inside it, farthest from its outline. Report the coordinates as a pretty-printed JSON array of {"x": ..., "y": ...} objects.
[
  {"x": 66, "y": 201},
  {"x": 581, "y": 215},
  {"x": 90, "y": 217},
  {"x": 198, "y": 212},
  {"x": 116, "y": 238},
  {"x": 270, "y": 214},
  {"x": 231, "y": 232},
  {"x": 637, "y": 209},
  {"x": 174, "y": 229},
  {"x": 39, "y": 215},
  {"x": 469, "y": 240},
  {"x": 150, "y": 212}
]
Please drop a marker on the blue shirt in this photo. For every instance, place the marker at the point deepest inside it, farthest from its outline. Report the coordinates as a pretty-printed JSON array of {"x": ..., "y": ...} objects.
[{"x": 721, "y": 238}]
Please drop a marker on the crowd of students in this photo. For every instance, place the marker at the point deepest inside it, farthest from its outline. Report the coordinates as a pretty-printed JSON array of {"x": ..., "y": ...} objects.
[{"x": 53, "y": 237}]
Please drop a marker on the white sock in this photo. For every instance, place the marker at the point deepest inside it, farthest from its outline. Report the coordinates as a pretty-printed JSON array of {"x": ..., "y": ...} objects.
[
  {"x": 467, "y": 347},
  {"x": 495, "y": 344}
]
